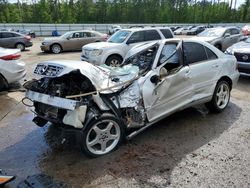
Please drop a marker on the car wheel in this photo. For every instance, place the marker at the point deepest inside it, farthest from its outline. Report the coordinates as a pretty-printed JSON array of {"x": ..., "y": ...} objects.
[
  {"x": 3, "y": 83},
  {"x": 220, "y": 98},
  {"x": 56, "y": 48},
  {"x": 102, "y": 136},
  {"x": 20, "y": 46},
  {"x": 114, "y": 61}
]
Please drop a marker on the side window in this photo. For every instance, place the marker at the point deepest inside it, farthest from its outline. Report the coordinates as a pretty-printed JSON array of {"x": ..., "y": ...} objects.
[
  {"x": 136, "y": 37},
  {"x": 194, "y": 52},
  {"x": 210, "y": 54},
  {"x": 7, "y": 35},
  {"x": 235, "y": 32},
  {"x": 227, "y": 31},
  {"x": 76, "y": 35},
  {"x": 151, "y": 35},
  {"x": 166, "y": 53},
  {"x": 92, "y": 35},
  {"x": 167, "y": 34}
]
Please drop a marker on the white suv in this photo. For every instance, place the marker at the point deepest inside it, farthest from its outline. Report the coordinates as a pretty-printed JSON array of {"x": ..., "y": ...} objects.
[{"x": 114, "y": 50}]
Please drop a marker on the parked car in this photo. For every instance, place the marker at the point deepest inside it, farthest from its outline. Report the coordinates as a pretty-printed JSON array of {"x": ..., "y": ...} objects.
[
  {"x": 28, "y": 32},
  {"x": 11, "y": 39},
  {"x": 220, "y": 37},
  {"x": 178, "y": 31},
  {"x": 241, "y": 51},
  {"x": 71, "y": 41},
  {"x": 107, "y": 104},
  {"x": 186, "y": 30},
  {"x": 114, "y": 50},
  {"x": 246, "y": 30},
  {"x": 196, "y": 30},
  {"x": 11, "y": 68},
  {"x": 113, "y": 29}
]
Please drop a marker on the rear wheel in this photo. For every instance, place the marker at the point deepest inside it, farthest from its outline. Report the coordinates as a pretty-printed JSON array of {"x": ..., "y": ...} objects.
[
  {"x": 220, "y": 98},
  {"x": 56, "y": 48},
  {"x": 20, "y": 46},
  {"x": 102, "y": 136},
  {"x": 114, "y": 61}
]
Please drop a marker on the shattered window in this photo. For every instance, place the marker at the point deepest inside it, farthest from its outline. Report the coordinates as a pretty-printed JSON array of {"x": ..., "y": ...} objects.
[{"x": 168, "y": 51}]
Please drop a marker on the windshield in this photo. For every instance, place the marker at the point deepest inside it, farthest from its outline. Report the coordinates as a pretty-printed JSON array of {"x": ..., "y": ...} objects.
[
  {"x": 119, "y": 36},
  {"x": 212, "y": 33},
  {"x": 67, "y": 34}
]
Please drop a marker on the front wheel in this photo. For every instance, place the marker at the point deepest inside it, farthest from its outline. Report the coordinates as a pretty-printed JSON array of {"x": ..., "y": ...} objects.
[
  {"x": 20, "y": 46},
  {"x": 113, "y": 61},
  {"x": 56, "y": 48},
  {"x": 220, "y": 98},
  {"x": 102, "y": 136}
]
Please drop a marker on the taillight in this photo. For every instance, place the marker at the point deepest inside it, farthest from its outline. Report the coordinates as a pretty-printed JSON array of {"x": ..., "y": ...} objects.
[
  {"x": 11, "y": 57},
  {"x": 27, "y": 37}
]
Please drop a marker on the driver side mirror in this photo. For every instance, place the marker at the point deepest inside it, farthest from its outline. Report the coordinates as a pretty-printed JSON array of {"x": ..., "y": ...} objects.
[
  {"x": 227, "y": 35},
  {"x": 68, "y": 38},
  {"x": 155, "y": 79}
]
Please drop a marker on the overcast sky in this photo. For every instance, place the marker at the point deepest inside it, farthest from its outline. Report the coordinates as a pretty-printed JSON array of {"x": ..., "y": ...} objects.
[{"x": 239, "y": 2}]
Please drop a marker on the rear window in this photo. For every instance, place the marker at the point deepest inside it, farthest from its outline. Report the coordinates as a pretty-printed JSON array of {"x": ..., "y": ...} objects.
[{"x": 167, "y": 33}]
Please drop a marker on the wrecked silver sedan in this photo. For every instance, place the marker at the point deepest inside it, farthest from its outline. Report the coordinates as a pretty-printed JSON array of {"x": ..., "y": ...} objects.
[{"x": 107, "y": 104}]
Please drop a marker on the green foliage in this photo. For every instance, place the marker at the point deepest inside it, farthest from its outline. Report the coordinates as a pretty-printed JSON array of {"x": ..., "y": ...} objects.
[{"x": 124, "y": 11}]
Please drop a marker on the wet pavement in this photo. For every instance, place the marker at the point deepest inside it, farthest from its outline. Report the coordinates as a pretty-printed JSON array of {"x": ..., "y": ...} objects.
[{"x": 191, "y": 148}]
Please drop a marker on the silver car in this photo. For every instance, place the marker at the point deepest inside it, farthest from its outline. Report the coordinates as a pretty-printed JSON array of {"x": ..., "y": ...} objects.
[
  {"x": 107, "y": 104},
  {"x": 221, "y": 37},
  {"x": 241, "y": 51}
]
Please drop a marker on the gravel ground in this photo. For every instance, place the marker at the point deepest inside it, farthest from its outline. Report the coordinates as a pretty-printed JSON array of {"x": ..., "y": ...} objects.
[{"x": 191, "y": 148}]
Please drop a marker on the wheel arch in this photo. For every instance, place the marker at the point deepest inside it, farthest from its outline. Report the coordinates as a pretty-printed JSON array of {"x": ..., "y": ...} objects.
[
  {"x": 228, "y": 80},
  {"x": 114, "y": 54}
]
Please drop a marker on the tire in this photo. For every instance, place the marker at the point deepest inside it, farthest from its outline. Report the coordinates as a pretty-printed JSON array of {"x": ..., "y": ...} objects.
[
  {"x": 102, "y": 136},
  {"x": 221, "y": 97},
  {"x": 114, "y": 61},
  {"x": 20, "y": 46},
  {"x": 3, "y": 83},
  {"x": 218, "y": 46},
  {"x": 56, "y": 48}
]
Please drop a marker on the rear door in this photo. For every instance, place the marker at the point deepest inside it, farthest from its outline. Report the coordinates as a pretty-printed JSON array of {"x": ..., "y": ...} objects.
[
  {"x": 7, "y": 40},
  {"x": 73, "y": 42},
  {"x": 235, "y": 35},
  {"x": 86, "y": 38},
  {"x": 204, "y": 68}
]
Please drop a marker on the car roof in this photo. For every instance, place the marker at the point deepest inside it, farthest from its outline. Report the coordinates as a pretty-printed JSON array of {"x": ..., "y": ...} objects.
[
  {"x": 145, "y": 28},
  {"x": 10, "y": 32}
]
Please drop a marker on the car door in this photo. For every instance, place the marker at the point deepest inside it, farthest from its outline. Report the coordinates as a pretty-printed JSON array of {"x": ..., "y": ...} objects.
[
  {"x": 72, "y": 42},
  {"x": 172, "y": 91},
  {"x": 235, "y": 33},
  {"x": 204, "y": 68},
  {"x": 134, "y": 39},
  {"x": 86, "y": 38},
  {"x": 226, "y": 40}
]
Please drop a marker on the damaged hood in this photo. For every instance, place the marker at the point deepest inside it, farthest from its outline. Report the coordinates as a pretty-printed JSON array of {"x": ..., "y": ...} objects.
[{"x": 102, "y": 77}]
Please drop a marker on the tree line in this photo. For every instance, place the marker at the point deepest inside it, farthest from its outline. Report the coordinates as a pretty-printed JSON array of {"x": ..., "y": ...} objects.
[{"x": 124, "y": 11}]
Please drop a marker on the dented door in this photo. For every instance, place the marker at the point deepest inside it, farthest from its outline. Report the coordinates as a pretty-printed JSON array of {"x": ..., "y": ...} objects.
[{"x": 170, "y": 94}]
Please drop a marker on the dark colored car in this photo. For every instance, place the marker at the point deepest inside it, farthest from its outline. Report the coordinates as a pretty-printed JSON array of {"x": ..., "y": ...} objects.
[
  {"x": 196, "y": 30},
  {"x": 28, "y": 32},
  {"x": 10, "y": 39}
]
